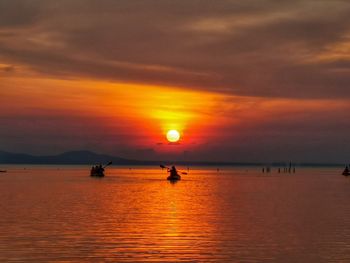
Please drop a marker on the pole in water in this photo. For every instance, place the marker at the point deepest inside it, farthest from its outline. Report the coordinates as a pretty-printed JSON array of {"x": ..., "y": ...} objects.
[{"x": 290, "y": 167}]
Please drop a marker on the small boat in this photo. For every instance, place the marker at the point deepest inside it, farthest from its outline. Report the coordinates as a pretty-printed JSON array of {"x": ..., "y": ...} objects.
[
  {"x": 98, "y": 170},
  {"x": 174, "y": 177},
  {"x": 3, "y": 171},
  {"x": 97, "y": 174},
  {"x": 346, "y": 171}
]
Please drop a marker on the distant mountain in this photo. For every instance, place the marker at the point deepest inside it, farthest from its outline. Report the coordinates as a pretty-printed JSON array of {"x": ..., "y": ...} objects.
[
  {"x": 88, "y": 157},
  {"x": 72, "y": 157}
]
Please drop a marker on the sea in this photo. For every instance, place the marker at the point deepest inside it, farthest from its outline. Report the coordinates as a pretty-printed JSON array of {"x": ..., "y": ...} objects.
[{"x": 214, "y": 214}]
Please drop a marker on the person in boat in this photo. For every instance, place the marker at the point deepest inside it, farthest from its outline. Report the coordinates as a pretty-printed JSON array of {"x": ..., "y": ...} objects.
[
  {"x": 346, "y": 171},
  {"x": 99, "y": 169},
  {"x": 173, "y": 172}
]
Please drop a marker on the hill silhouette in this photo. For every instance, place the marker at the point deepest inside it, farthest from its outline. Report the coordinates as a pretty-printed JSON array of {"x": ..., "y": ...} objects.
[
  {"x": 88, "y": 157},
  {"x": 71, "y": 157}
]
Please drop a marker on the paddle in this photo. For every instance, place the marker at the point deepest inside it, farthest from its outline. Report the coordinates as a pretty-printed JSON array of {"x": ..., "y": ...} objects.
[
  {"x": 163, "y": 166},
  {"x": 107, "y": 164}
]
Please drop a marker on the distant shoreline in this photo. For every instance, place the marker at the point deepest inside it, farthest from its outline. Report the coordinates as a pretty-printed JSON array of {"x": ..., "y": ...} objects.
[{"x": 90, "y": 158}]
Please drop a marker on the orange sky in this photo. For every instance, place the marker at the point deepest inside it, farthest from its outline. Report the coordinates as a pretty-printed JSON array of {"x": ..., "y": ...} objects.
[
  {"x": 114, "y": 117},
  {"x": 240, "y": 82}
]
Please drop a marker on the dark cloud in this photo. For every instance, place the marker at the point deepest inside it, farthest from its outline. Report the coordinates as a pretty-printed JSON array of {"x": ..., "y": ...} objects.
[
  {"x": 15, "y": 13},
  {"x": 254, "y": 48},
  {"x": 54, "y": 131},
  {"x": 302, "y": 136}
]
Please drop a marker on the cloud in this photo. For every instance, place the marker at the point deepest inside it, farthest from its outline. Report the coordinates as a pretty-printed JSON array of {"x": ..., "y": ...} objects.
[
  {"x": 252, "y": 48},
  {"x": 19, "y": 13},
  {"x": 7, "y": 68},
  {"x": 262, "y": 52}
]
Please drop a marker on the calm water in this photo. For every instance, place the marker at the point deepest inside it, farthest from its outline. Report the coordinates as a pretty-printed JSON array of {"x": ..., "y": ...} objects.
[{"x": 51, "y": 214}]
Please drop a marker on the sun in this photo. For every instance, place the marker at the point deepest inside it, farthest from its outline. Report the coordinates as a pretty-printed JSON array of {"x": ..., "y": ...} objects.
[{"x": 173, "y": 136}]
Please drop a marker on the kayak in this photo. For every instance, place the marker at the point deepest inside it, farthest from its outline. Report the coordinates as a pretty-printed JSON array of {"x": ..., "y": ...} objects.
[
  {"x": 2, "y": 171},
  {"x": 95, "y": 174},
  {"x": 174, "y": 177}
]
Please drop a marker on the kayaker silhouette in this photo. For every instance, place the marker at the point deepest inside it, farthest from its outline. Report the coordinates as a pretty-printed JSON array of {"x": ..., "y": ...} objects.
[
  {"x": 174, "y": 176},
  {"x": 98, "y": 169},
  {"x": 173, "y": 171}
]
